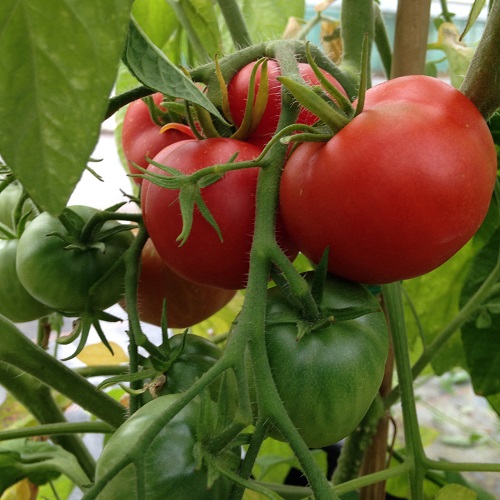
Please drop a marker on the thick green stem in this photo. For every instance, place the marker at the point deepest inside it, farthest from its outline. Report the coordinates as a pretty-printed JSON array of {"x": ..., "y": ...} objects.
[
  {"x": 253, "y": 315},
  {"x": 410, "y": 40},
  {"x": 57, "y": 430},
  {"x": 117, "y": 102},
  {"x": 236, "y": 23},
  {"x": 482, "y": 81},
  {"x": 20, "y": 352},
  {"x": 357, "y": 22},
  {"x": 37, "y": 398},
  {"x": 415, "y": 452}
]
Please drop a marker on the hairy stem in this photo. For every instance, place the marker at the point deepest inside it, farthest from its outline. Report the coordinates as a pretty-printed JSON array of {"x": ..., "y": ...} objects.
[{"x": 482, "y": 81}]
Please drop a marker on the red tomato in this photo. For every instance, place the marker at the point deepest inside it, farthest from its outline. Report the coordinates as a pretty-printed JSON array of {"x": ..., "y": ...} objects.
[
  {"x": 399, "y": 190},
  {"x": 238, "y": 92},
  {"x": 204, "y": 258},
  {"x": 187, "y": 303},
  {"x": 141, "y": 136}
]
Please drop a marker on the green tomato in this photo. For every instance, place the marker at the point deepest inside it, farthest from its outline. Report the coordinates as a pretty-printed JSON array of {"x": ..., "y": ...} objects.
[
  {"x": 61, "y": 276},
  {"x": 9, "y": 198},
  {"x": 198, "y": 355},
  {"x": 329, "y": 377},
  {"x": 16, "y": 303},
  {"x": 168, "y": 461}
]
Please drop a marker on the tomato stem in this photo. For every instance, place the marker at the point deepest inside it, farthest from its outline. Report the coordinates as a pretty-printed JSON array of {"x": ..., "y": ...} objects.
[
  {"x": 482, "y": 81},
  {"x": 27, "y": 356},
  {"x": 415, "y": 451}
]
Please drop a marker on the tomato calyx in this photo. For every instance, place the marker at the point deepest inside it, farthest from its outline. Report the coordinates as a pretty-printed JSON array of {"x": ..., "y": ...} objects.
[
  {"x": 294, "y": 309},
  {"x": 84, "y": 235},
  {"x": 190, "y": 187}
]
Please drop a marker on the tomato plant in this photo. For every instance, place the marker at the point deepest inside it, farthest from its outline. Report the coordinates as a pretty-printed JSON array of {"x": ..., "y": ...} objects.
[
  {"x": 59, "y": 269},
  {"x": 204, "y": 258},
  {"x": 15, "y": 302},
  {"x": 317, "y": 372},
  {"x": 392, "y": 181},
  {"x": 167, "y": 466},
  {"x": 142, "y": 137},
  {"x": 238, "y": 89},
  {"x": 393, "y": 203},
  {"x": 187, "y": 303}
]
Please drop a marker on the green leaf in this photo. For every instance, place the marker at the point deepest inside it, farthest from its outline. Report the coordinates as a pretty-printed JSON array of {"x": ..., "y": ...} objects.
[
  {"x": 152, "y": 68},
  {"x": 59, "y": 61},
  {"x": 481, "y": 336},
  {"x": 435, "y": 297},
  {"x": 458, "y": 54},
  {"x": 456, "y": 492},
  {"x": 473, "y": 15},
  {"x": 157, "y": 20},
  {"x": 272, "y": 24},
  {"x": 200, "y": 22},
  {"x": 38, "y": 461}
]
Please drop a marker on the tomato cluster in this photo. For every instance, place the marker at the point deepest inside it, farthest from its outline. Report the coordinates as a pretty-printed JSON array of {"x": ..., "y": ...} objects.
[{"x": 397, "y": 191}]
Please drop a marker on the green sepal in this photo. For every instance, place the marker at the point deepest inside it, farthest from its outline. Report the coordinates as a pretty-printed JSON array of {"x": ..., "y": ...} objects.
[
  {"x": 342, "y": 101},
  {"x": 306, "y": 96}
]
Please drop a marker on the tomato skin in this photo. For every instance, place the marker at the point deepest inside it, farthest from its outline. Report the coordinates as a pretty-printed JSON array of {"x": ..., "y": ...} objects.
[
  {"x": 329, "y": 378},
  {"x": 399, "y": 190},
  {"x": 16, "y": 303},
  {"x": 204, "y": 258},
  {"x": 238, "y": 92},
  {"x": 170, "y": 467},
  {"x": 141, "y": 136},
  {"x": 61, "y": 278},
  {"x": 187, "y": 303}
]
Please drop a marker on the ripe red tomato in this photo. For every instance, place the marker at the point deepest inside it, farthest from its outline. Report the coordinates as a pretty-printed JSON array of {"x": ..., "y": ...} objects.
[
  {"x": 238, "y": 92},
  {"x": 141, "y": 137},
  {"x": 397, "y": 191},
  {"x": 204, "y": 258},
  {"x": 187, "y": 303}
]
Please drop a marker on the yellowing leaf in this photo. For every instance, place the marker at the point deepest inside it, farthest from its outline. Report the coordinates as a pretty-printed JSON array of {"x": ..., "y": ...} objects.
[
  {"x": 23, "y": 490},
  {"x": 98, "y": 354},
  {"x": 458, "y": 54},
  {"x": 456, "y": 492}
]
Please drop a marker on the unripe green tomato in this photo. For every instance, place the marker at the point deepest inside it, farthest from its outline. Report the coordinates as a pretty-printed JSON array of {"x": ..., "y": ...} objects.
[
  {"x": 62, "y": 277},
  {"x": 169, "y": 465},
  {"x": 327, "y": 379},
  {"x": 16, "y": 303}
]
